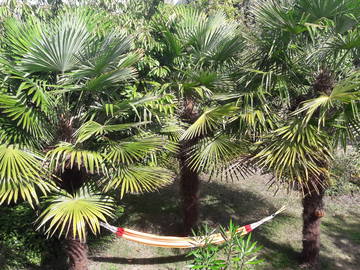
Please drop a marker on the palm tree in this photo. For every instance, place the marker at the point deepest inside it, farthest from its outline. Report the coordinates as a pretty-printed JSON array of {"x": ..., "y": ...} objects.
[
  {"x": 307, "y": 52},
  {"x": 195, "y": 53},
  {"x": 69, "y": 128}
]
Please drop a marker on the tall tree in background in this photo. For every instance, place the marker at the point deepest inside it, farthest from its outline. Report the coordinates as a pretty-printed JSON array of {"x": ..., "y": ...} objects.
[
  {"x": 306, "y": 51},
  {"x": 69, "y": 128}
]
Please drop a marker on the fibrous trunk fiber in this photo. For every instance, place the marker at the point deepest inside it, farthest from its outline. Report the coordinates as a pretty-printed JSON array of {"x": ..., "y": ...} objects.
[
  {"x": 77, "y": 254},
  {"x": 189, "y": 179},
  {"x": 313, "y": 205},
  {"x": 189, "y": 186}
]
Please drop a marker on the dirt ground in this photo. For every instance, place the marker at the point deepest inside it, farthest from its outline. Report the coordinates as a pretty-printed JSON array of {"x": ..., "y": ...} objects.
[{"x": 244, "y": 202}]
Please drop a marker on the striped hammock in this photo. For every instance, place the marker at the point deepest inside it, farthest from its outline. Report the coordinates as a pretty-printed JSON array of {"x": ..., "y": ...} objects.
[{"x": 182, "y": 242}]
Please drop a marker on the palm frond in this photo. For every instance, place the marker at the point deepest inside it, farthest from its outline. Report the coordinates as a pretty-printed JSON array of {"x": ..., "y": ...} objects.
[
  {"x": 10, "y": 133},
  {"x": 349, "y": 41},
  {"x": 211, "y": 39},
  {"x": 296, "y": 153},
  {"x": 209, "y": 81},
  {"x": 210, "y": 120},
  {"x": 241, "y": 166},
  {"x": 17, "y": 109},
  {"x": 128, "y": 152},
  {"x": 124, "y": 106},
  {"x": 217, "y": 39},
  {"x": 173, "y": 129},
  {"x": 187, "y": 20},
  {"x": 213, "y": 154},
  {"x": 67, "y": 155},
  {"x": 319, "y": 9},
  {"x": 137, "y": 179},
  {"x": 94, "y": 129},
  {"x": 343, "y": 93},
  {"x": 38, "y": 93},
  {"x": 19, "y": 36},
  {"x": 22, "y": 174},
  {"x": 58, "y": 49},
  {"x": 255, "y": 120},
  {"x": 278, "y": 15},
  {"x": 105, "y": 54},
  {"x": 110, "y": 78},
  {"x": 71, "y": 215}
]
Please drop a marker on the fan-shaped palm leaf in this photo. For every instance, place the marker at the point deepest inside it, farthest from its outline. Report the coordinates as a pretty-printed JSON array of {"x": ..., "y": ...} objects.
[
  {"x": 217, "y": 39},
  {"x": 344, "y": 42},
  {"x": 110, "y": 78},
  {"x": 330, "y": 9},
  {"x": 278, "y": 15},
  {"x": 173, "y": 129},
  {"x": 137, "y": 179},
  {"x": 58, "y": 48},
  {"x": 343, "y": 93},
  {"x": 67, "y": 155},
  {"x": 20, "y": 36},
  {"x": 209, "y": 38},
  {"x": 17, "y": 109},
  {"x": 346, "y": 124},
  {"x": 12, "y": 134},
  {"x": 21, "y": 175},
  {"x": 208, "y": 121},
  {"x": 92, "y": 128},
  {"x": 105, "y": 54},
  {"x": 213, "y": 154},
  {"x": 296, "y": 153},
  {"x": 128, "y": 152},
  {"x": 254, "y": 120},
  {"x": 71, "y": 214},
  {"x": 38, "y": 94}
]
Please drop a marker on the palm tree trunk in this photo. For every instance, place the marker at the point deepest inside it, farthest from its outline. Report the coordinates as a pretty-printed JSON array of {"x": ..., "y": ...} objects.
[
  {"x": 71, "y": 180},
  {"x": 313, "y": 210},
  {"x": 189, "y": 180},
  {"x": 77, "y": 254},
  {"x": 189, "y": 186}
]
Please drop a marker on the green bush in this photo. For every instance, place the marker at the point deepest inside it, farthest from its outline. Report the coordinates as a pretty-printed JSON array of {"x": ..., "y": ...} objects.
[
  {"x": 345, "y": 174},
  {"x": 232, "y": 8},
  {"x": 237, "y": 253},
  {"x": 20, "y": 245}
]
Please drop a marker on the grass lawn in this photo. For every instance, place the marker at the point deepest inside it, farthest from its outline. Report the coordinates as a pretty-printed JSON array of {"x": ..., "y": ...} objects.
[{"x": 244, "y": 201}]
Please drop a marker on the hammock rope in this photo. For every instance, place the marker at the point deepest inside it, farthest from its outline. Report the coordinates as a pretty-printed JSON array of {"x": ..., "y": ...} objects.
[{"x": 182, "y": 242}]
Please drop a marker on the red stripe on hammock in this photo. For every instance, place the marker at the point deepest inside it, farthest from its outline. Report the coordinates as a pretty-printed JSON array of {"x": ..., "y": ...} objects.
[
  {"x": 248, "y": 228},
  {"x": 120, "y": 231}
]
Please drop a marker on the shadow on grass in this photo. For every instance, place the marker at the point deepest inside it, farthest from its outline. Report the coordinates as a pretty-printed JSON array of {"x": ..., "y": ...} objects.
[
  {"x": 160, "y": 213},
  {"x": 135, "y": 261},
  {"x": 345, "y": 235},
  {"x": 157, "y": 212},
  {"x": 222, "y": 203}
]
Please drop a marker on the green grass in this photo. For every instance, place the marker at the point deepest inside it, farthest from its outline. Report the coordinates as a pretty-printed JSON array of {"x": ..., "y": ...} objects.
[{"x": 244, "y": 202}]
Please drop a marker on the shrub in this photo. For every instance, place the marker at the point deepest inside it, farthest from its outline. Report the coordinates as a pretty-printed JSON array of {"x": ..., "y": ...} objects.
[
  {"x": 20, "y": 245},
  {"x": 237, "y": 253},
  {"x": 345, "y": 173}
]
